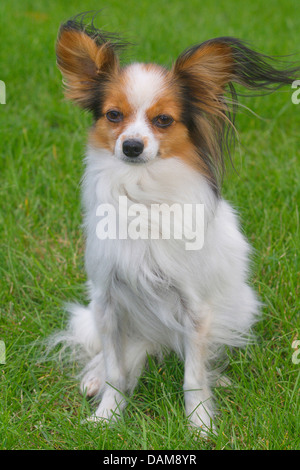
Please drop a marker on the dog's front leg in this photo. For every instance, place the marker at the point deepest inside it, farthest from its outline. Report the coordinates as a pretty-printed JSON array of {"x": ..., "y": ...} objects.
[
  {"x": 197, "y": 392},
  {"x": 112, "y": 401}
]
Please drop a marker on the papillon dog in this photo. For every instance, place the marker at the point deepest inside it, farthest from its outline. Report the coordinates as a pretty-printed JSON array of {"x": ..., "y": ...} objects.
[{"x": 159, "y": 137}]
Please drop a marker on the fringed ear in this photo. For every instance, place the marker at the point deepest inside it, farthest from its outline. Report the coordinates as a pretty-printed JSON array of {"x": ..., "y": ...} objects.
[
  {"x": 202, "y": 73},
  {"x": 208, "y": 65},
  {"x": 86, "y": 65},
  {"x": 205, "y": 74}
]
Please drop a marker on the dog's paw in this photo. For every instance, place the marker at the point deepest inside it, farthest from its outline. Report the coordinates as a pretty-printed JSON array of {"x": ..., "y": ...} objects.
[
  {"x": 201, "y": 422},
  {"x": 93, "y": 376},
  {"x": 90, "y": 385},
  {"x": 95, "y": 420},
  {"x": 103, "y": 416}
]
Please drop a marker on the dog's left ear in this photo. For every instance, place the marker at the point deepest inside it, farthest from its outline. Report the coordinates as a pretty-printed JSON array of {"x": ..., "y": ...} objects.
[
  {"x": 210, "y": 63},
  {"x": 204, "y": 74},
  {"x": 217, "y": 62}
]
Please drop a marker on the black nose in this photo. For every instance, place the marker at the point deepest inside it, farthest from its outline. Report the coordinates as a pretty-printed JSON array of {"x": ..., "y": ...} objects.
[{"x": 133, "y": 147}]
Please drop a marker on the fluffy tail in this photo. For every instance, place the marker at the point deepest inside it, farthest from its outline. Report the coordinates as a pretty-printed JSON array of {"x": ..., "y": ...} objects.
[{"x": 80, "y": 340}]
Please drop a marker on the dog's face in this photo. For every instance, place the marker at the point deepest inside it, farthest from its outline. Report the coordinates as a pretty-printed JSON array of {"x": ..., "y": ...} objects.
[{"x": 140, "y": 118}]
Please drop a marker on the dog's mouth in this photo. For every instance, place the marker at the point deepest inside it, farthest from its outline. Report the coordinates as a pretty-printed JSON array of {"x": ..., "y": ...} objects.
[
  {"x": 134, "y": 160},
  {"x": 140, "y": 160}
]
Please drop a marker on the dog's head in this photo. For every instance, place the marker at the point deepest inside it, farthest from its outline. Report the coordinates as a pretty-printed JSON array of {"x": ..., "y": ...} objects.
[{"x": 145, "y": 111}]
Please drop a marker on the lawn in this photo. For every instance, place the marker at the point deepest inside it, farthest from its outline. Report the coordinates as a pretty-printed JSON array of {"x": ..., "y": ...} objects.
[{"x": 42, "y": 141}]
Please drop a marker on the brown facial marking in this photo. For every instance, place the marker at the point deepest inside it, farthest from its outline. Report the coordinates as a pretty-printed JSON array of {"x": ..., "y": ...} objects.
[
  {"x": 174, "y": 139},
  {"x": 105, "y": 133}
]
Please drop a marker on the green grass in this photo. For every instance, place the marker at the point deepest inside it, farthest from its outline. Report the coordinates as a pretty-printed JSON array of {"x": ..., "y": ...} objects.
[{"x": 42, "y": 141}]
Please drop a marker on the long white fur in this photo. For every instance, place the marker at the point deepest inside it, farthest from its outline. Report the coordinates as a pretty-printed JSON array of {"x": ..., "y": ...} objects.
[{"x": 148, "y": 296}]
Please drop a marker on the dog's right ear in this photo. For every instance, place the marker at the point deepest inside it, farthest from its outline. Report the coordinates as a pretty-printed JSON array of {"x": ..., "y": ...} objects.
[{"x": 86, "y": 66}]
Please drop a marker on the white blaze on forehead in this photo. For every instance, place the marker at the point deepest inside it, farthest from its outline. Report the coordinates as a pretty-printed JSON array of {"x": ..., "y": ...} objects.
[{"x": 143, "y": 85}]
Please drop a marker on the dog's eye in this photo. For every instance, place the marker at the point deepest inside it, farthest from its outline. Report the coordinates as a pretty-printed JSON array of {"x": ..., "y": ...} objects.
[
  {"x": 163, "y": 120},
  {"x": 114, "y": 116}
]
